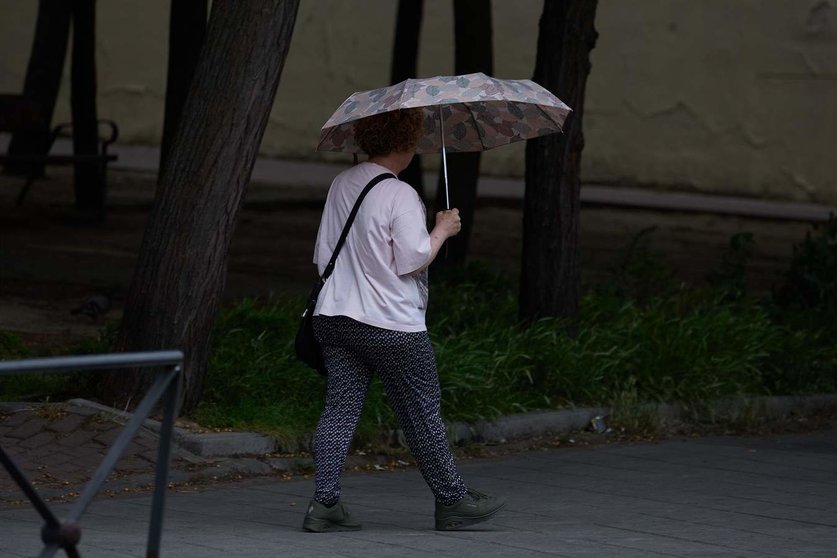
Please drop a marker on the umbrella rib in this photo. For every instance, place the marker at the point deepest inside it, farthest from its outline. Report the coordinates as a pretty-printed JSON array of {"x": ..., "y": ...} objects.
[
  {"x": 328, "y": 134},
  {"x": 476, "y": 126},
  {"x": 403, "y": 92},
  {"x": 560, "y": 127}
]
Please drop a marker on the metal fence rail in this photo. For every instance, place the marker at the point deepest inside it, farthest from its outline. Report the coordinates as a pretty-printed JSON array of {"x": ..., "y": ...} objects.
[{"x": 65, "y": 534}]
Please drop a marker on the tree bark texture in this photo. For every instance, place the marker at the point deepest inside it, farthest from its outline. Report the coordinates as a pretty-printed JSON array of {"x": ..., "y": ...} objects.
[
  {"x": 472, "y": 53},
  {"x": 181, "y": 271},
  {"x": 405, "y": 66},
  {"x": 549, "y": 284},
  {"x": 187, "y": 30},
  {"x": 89, "y": 180},
  {"x": 43, "y": 79}
]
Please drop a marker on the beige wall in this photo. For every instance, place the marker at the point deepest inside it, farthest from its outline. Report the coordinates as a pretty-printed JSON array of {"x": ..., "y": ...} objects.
[
  {"x": 717, "y": 95},
  {"x": 735, "y": 97}
]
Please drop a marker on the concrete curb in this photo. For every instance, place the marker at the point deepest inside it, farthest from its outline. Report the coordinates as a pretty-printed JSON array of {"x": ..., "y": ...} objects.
[
  {"x": 774, "y": 407},
  {"x": 527, "y": 425},
  {"x": 511, "y": 427},
  {"x": 200, "y": 445},
  {"x": 225, "y": 455},
  {"x": 524, "y": 425}
]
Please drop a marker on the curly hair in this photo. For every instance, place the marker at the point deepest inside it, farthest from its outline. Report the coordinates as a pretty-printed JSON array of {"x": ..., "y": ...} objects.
[{"x": 384, "y": 133}]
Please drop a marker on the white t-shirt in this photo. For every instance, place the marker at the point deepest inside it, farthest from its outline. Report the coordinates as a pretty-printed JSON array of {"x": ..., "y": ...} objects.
[{"x": 374, "y": 279}]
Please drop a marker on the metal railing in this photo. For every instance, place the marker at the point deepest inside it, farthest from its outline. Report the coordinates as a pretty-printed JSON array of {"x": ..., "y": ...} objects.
[{"x": 65, "y": 534}]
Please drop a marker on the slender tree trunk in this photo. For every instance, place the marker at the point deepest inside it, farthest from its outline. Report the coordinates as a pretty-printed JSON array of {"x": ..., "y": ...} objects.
[
  {"x": 405, "y": 66},
  {"x": 473, "y": 53},
  {"x": 181, "y": 272},
  {"x": 187, "y": 29},
  {"x": 549, "y": 284},
  {"x": 89, "y": 179},
  {"x": 43, "y": 79}
]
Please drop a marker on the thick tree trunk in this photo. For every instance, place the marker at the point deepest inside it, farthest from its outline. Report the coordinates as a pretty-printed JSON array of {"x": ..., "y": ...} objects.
[
  {"x": 180, "y": 276},
  {"x": 472, "y": 53},
  {"x": 89, "y": 179},
  {"x": 43, "y": 79},
  {"x": 549, "y": 283},
  {"x": 405, "y": 66},
  {"x": 187, "y": 29}
]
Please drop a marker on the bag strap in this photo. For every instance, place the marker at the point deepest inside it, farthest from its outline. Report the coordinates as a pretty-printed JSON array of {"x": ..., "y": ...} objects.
[{"x": 330, "y": 267}]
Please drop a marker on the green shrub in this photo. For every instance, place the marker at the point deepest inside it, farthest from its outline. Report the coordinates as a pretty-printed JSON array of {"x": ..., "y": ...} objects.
[
  {"x": 677, "y": 348},
  {"x": 11, "y": 346},
  {"x": 802, "y": 361},
  {"x": 253, "y": 379},
  {"x": 730, "y": 277},
  {"x": 811, "y": 281},
  {"x": 642, "y": 274},
  {"x": 689, "y": 345},
  {"x": 25, "y": 387}
]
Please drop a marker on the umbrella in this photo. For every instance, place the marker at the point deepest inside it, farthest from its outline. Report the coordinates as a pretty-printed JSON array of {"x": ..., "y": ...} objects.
[{"x": 471, "y": 112}]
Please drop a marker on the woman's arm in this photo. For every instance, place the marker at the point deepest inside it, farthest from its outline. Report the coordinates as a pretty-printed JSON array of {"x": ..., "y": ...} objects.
[{"x": 448, "y": 224}]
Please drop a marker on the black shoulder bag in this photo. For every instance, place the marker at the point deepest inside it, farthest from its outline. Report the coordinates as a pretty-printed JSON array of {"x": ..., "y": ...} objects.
[{"x": 307, "y": 347}]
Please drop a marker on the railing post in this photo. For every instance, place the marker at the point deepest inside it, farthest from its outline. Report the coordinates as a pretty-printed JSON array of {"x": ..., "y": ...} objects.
[
  {"x": 66, "y": 534},
  {"x": 155, "y": 528}
]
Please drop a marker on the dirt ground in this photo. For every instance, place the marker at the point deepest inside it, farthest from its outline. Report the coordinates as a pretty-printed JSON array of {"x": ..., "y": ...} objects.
[{"x": 50, "y": 262}]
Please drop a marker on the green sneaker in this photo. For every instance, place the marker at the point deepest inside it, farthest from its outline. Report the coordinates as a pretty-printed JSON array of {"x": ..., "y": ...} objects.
[
  {"x": 474, "y": 507},
  {"x": 322, "y": 519}
]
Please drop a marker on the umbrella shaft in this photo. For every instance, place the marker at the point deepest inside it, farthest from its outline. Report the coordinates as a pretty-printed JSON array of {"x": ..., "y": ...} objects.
[{"x": 444, "y": 156}]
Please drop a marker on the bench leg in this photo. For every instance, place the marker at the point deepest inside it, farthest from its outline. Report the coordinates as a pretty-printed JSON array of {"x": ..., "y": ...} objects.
[{"x": 25, "y": 190}]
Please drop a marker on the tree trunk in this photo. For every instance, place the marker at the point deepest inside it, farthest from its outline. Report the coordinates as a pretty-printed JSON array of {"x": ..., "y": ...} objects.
[
  {"x": 549, "y": 283},
  {"x": 89, "y": 179},
  {"x": 43, "y": 79},
  {"x": 181, "y": 272},
  {"x": 473, "y": 53},
  {"x": 187, "y": 29},
  {"x": 405, "y": 66}
]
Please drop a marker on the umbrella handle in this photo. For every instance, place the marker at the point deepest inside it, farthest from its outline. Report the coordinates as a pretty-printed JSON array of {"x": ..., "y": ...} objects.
[{"x": 444, "y": 156}]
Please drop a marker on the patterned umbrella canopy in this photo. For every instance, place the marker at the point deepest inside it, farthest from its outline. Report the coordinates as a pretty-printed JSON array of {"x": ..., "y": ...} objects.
[{"x": 475, "y": 112}]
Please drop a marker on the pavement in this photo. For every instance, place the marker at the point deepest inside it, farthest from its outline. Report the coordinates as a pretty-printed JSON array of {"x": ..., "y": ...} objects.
[
  {"x": 242, "y": 494},
  {"x": 722, "y": 496},
  {"x": 59, "y": 446},
  {"x": 313, "y": 176},
  {"x": 316, "y": 176}
]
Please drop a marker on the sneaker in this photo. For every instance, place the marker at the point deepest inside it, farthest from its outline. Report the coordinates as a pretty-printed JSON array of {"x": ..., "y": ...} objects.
[
  {"x": 472, "y": 508},
  {"x": 322, "y": 519}
]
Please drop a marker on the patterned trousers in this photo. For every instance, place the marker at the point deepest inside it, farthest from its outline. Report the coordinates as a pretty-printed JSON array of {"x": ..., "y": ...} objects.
[{"x": 353, "y": 351}]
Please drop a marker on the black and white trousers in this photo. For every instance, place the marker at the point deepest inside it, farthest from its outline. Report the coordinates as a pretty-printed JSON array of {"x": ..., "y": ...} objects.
[{"x": 404, "y": 361}]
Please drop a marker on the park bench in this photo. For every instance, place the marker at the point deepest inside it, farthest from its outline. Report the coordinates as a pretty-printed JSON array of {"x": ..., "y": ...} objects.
[{"x": 18, "y": 114}]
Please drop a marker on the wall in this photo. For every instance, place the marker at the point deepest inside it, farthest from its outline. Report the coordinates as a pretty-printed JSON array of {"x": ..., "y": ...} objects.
[
  {"x": 716, "y": 95},
  {"x": 736, "y": 97}
]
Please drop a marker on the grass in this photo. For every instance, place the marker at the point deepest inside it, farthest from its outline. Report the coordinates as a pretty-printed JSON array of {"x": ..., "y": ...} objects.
[
  {"x": 49, "y": 387},
  {"x": 687, "y": 345},
  {"x": 256, "y": 382}
]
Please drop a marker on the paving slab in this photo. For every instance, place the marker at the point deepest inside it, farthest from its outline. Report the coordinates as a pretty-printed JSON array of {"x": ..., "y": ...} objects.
[{"x": 724, "y": 497}]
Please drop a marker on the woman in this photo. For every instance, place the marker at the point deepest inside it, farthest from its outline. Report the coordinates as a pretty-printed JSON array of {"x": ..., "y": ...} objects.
[{"x": 370, "y": 319}]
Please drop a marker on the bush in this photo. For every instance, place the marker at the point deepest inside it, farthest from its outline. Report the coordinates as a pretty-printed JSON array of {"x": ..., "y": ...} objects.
[
  {"x": 811, "y": 281},
  {"x": 730, "y": 277},
  {"x": 25, "y": 387},
  {"x": 11, "y": 346},
  {"x": 688, "y": 345},
  {"x": 677, "y": 348}
]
